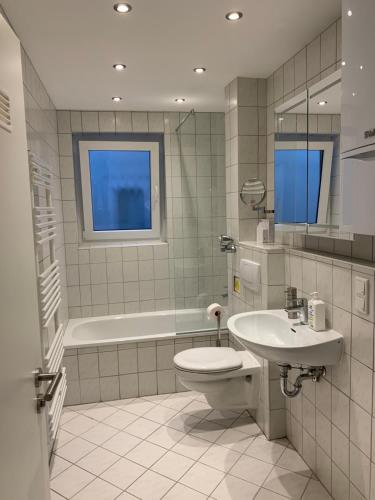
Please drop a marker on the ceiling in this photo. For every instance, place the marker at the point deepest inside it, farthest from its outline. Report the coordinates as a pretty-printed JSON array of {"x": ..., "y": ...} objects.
[{"x": 74, "y": 43}]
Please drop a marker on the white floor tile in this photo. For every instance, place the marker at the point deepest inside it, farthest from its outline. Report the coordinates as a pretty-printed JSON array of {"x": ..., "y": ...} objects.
[
  {"x": 292, "y": 461},
  {"x": 183, "y": 422},
  {"x": 75, "y": 449},
  {"x": 181, "y": 492},
  {"x": 62, "y": 438},
  {"x": 286, "y": 483},
  {"x": 176, "y": 403},
  {"x": 246, "y": 425},
  {"x": 121, "y": 403},
  {"x": 99, "y": 433},
  {"x": 98, "y": 490},
  {"x": 121, "y": 443},
  {"x": 98, "y": 461},
  {"x": 224, "y": 418},
  {"x": 160, "y": 414},
  {"x": 232, "y": 488},
  {"x": 191, "y": 447},
  {"x": 126, "y": 496},
  {"x": 166, "y": 437},
  {"x": 99, "y": 412},
  {"x": 163, "y": 437},
  {"x": 79, "y": 424},
  {"x": 72, "y": 480},
  {"x": 156, "y": 398},
  {"x": 173, "y": 465},
  {"x": 142, "y": 428},
  {"x": 66, "y": 416},
  {"x": 146, "y": 454},
  {"x": 139, "y": 407},
  {"x": 220, "y": 458},
  {"x": 315, "y": 491},
  {"x": 120, "y": 419},
  {"x": 150, "y": 486},
  {"x": 202, "y": 478},
  {"x": 251, "y": 469},
  {"x": 208, "y": 430},
  {"x": 235, "y": 440},
  {"x": 198, "y": 409},
  {"x": 56, "y": 496},
  {"x": 268, "y": 495},
  {"x": 58, "y": 465},
  {"x": 123, "y": 473},
  {"x": 269, "y": 451}
]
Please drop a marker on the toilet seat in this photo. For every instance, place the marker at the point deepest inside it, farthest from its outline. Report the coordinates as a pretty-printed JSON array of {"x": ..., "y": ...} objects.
[{"x": 208, "y": 360}]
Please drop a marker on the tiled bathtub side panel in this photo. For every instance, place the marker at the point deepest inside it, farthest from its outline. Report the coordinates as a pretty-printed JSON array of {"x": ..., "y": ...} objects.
[
  {"x": 120, "y": 371},
  {"x": 332, "y": 423}
]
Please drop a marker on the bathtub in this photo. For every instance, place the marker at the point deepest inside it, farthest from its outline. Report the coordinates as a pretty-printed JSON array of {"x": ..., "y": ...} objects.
[
  {"x": 137, "y": 327},
  {"x": 130, "y": 355}
]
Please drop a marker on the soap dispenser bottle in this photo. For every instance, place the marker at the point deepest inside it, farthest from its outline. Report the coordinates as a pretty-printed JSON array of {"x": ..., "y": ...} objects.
[{"x": 316, "y": 313}]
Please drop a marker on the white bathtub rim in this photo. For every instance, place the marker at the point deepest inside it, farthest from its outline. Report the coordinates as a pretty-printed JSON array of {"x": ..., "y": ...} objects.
[{"x": 72, "y": 343}]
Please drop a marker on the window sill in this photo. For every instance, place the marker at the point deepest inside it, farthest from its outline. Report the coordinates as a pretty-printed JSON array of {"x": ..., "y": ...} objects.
[{"x": 86, "y": 245}]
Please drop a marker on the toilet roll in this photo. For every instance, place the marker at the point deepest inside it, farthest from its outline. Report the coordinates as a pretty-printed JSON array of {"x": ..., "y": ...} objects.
[{"x": 214, "y": 310}]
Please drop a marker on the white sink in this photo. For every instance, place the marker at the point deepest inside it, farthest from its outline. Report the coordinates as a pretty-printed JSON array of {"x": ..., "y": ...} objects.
[{"x": 271, "y": 335}]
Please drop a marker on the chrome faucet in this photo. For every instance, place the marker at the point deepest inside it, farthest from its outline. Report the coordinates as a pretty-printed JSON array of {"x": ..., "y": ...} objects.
[
  {"x": 227, "y": 244},
  {"x": 295, "y": 306}
]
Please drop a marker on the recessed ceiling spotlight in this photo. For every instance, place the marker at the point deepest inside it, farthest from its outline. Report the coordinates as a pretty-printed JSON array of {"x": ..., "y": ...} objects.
[
  {"x": 122, "y": 8},
  {"x": 361, "y": 67},
  {"x": 199, "y": 70},
  {"x": 322, "y": 103},
  {"x": 116, "y": 99},
  {"x": 354, "y": 94},
  {"x": 233, "y": 16},
  {"x": 119, "y": 67},
  {"x": 350, "y": 13},
  {"x": 343, "y": 63},
  {"x": 179, "y": 100}
]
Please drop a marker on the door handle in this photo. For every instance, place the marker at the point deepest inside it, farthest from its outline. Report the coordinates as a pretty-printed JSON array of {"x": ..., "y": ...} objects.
[{"x": 54, "y": 381}]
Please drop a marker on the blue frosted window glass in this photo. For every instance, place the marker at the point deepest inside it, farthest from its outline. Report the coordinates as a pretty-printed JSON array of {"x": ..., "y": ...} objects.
[
  {"x": 120, "y": 190},
  {"x": 297, "y": 179}
]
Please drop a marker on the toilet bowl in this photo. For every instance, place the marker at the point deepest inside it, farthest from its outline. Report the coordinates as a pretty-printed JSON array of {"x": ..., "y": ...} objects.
[{"x": 229, "y": 379}]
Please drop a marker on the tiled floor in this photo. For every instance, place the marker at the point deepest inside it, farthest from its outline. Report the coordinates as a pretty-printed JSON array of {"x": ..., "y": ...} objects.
[{"x": 173, "y": 447}]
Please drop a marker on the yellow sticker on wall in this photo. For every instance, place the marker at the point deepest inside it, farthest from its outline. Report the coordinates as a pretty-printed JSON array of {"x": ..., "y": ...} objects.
[{"x": 236, "y": 284}]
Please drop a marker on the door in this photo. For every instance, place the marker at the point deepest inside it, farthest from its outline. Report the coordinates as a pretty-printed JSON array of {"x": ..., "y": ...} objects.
[{"x": 23, "y": 437}]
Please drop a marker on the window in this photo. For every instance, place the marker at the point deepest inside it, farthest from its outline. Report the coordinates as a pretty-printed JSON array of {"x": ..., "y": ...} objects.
[
  {"x": 302, "y": 181},
  {"x": 120, "y": 189}
]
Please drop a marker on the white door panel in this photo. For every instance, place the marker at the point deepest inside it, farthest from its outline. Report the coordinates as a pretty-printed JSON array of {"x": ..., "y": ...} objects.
[{"x": 23, "y": 437}]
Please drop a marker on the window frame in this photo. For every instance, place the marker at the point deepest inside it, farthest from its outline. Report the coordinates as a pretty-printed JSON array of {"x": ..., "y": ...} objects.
[
  {"x": 327, "y": 147},
  {"x": 84, "y": 145}
]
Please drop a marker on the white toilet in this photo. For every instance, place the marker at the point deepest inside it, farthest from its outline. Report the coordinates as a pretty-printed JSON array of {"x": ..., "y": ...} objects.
[{"x": 229, "y": 379}]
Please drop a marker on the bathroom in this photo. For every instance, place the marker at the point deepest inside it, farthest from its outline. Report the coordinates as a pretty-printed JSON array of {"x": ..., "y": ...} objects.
[{"x": 188, "y": 260}]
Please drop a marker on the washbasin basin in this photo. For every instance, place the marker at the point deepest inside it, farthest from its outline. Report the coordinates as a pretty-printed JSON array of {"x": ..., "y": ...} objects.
[{"x": 273, "y": 336}]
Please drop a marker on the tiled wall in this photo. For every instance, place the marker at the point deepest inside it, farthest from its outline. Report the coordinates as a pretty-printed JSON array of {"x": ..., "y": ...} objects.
[
  {"x": 41, "y": 126},
  {"x": 245, "y": 136},
  {"x": 127, "y": 370},
  {"x": 187, "y": 271},
  {"x": 331, "y": 422},
  {"x": 270, "y": 414}
]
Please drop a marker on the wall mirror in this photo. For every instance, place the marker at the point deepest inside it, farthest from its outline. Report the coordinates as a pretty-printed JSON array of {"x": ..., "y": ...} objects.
[
  {"x": 252, "y": 193},
  {"x": 307, "y": 169},
  {"x": 291, "y": 164}
]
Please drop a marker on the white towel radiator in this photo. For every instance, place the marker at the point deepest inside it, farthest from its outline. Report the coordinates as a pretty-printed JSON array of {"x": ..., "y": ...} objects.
[{"x": 49, "y": 283}]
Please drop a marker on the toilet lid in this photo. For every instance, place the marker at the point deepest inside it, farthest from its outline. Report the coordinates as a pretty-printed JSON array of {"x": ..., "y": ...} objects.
[{"x": 208, "y": 359}]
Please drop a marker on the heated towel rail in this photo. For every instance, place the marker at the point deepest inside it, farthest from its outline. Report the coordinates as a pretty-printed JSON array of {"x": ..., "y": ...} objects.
[{"x": 49, "y": 282}]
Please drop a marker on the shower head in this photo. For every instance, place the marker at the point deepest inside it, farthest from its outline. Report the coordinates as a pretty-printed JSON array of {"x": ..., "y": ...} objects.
[{"x": 191, "y": 113}]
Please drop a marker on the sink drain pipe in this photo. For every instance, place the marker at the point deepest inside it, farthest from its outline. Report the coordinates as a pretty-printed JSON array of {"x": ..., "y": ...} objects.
[{"x": 311, "y": 373}]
